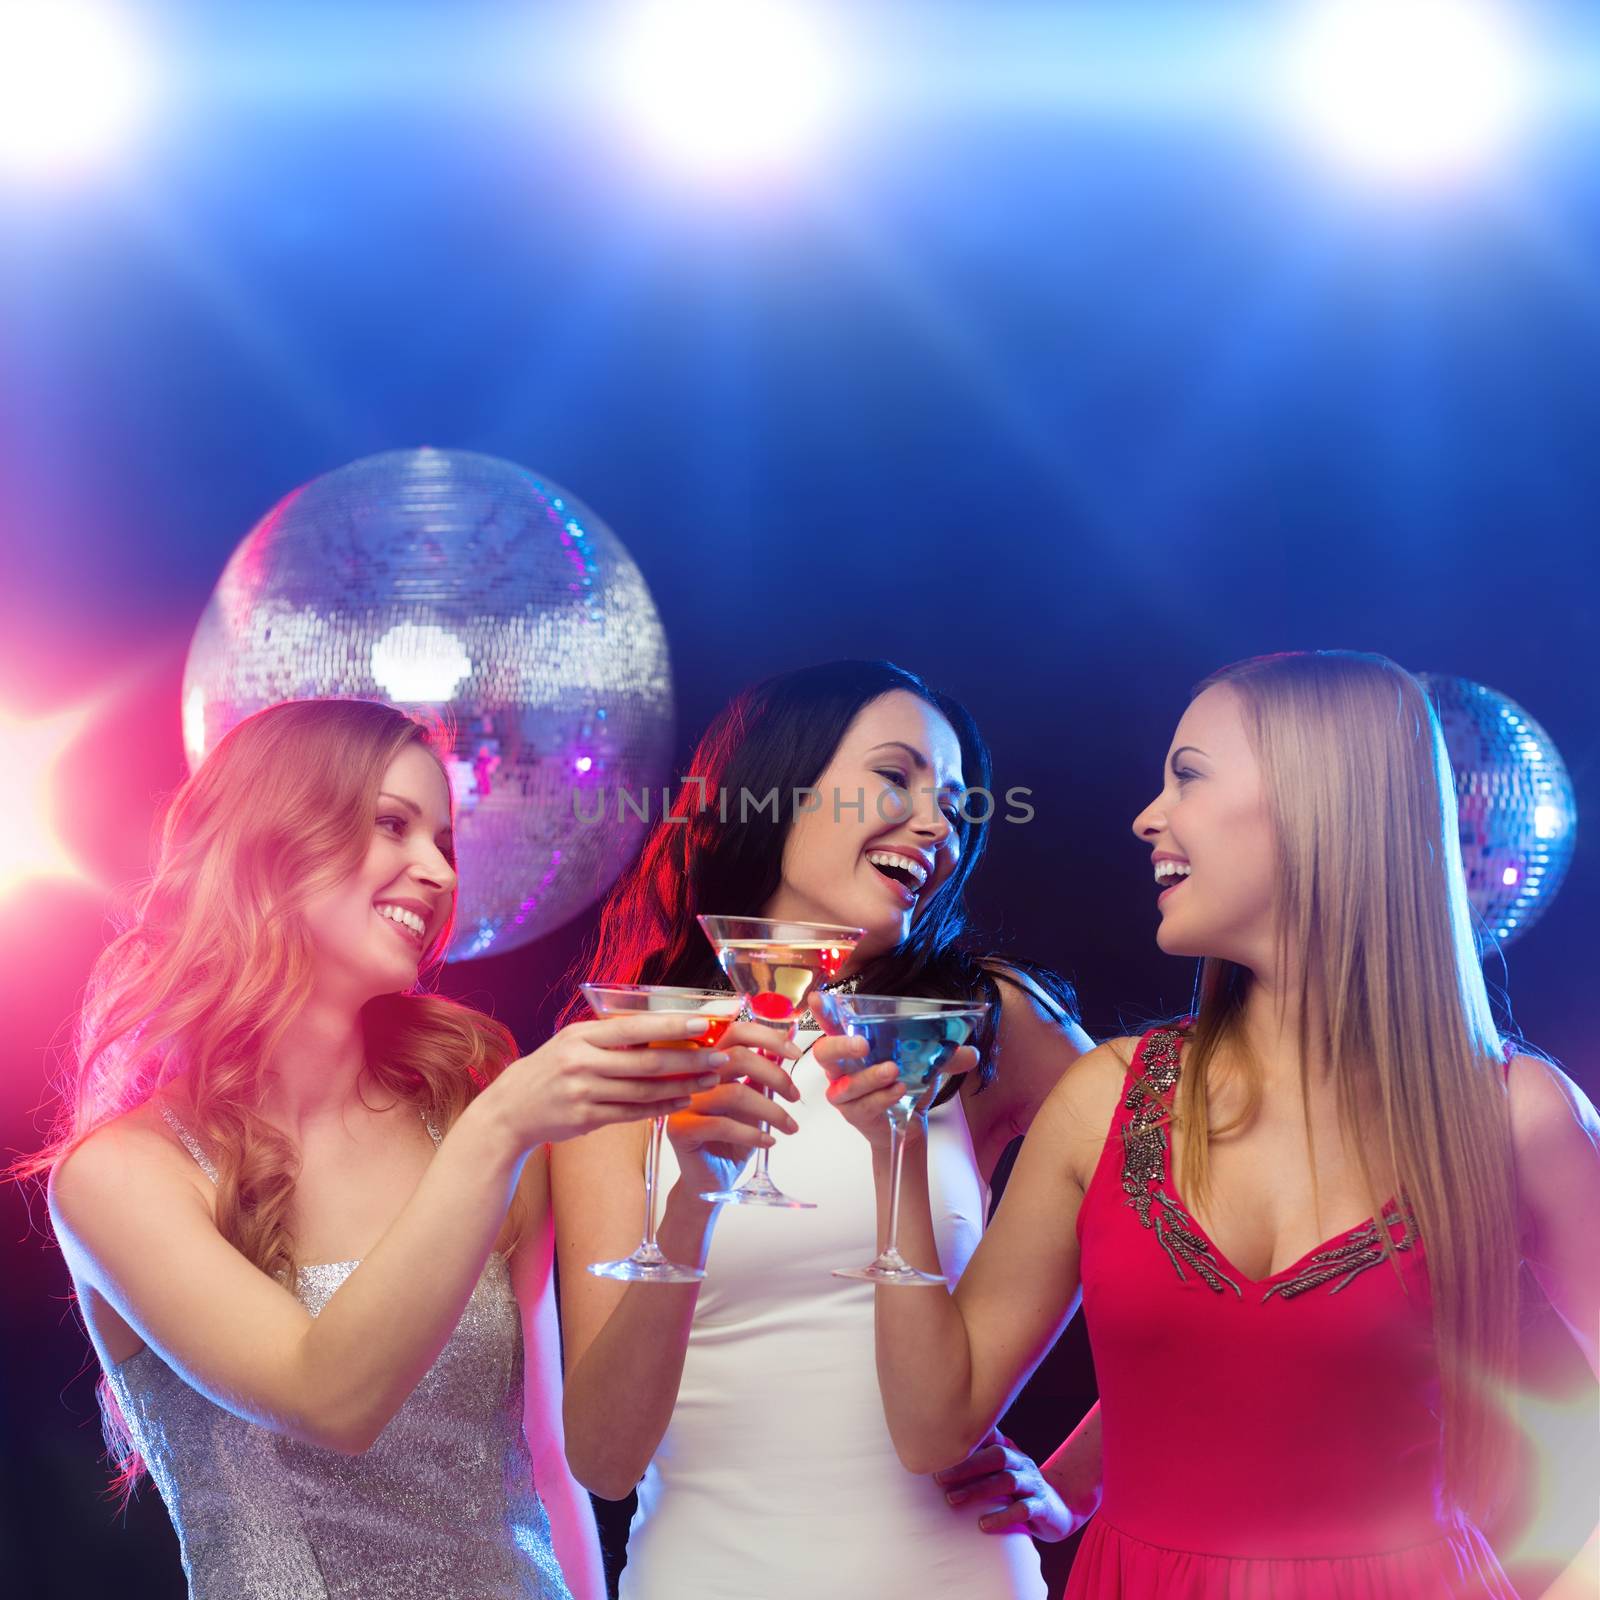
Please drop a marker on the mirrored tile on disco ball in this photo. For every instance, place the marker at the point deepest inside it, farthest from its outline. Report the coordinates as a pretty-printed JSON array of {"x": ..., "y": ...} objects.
[
  {"x": 1514, "y": 800},
  {"x": 459, "y": 584}
]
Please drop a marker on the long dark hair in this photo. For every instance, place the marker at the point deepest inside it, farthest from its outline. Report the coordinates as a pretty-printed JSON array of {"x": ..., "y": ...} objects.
[{"x": 781, "y": 734}]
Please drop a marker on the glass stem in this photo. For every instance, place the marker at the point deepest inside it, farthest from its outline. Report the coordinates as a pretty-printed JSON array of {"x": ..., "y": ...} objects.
[
  {"x": 652, "y": 1168},
  {"x": 762, "y": 1152},
  {"x": 897, "y": 1151},
  {"x": 759, "y": 1176}
]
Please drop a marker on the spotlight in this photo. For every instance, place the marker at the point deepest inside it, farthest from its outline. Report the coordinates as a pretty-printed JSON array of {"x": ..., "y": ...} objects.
[
  {"x": 724, "y": 87},
  {"x": 73, "y": 84},
  {"x": 1410, "y": 91},
  {"x": 29, "y": 751}
]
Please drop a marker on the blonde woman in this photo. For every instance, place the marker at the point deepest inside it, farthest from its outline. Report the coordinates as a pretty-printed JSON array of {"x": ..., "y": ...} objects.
[
  {"x": 1296, "y": 1221},
  {"x": 305, "y": 1206}
]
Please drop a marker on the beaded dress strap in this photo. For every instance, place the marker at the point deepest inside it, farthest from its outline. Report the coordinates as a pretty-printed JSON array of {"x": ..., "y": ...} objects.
[{"x": 189, "y": 1142}]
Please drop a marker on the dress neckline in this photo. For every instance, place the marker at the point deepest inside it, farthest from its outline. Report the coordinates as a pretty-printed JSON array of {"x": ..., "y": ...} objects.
[
  {"x": 1157, "y": 1063},
  {"x": 1391, "y": 1214}
]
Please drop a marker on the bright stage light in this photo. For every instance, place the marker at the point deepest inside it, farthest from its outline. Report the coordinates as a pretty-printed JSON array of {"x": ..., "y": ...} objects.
[
  {"x": 1410, "y": 91},
  {"x": 29, "y": 751},
  {"x": 724, "y": 86},
  {"x": 73, "y": 85}
]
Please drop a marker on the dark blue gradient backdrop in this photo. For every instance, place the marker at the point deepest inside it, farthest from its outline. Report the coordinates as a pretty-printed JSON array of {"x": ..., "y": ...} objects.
[{"x": 1055, "y": 372}]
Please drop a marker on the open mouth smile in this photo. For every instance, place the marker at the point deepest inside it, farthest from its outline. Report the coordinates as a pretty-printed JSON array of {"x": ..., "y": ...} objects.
[
  {"x": 407, "y": 923},
  {"x": 1170, "y": 872},
  {"x": 903, "y": 873}
]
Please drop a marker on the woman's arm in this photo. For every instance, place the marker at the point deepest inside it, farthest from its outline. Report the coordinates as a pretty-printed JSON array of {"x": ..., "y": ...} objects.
[
  {"x": 1034, "y": 1045},
  {"x": 948, "y": 1365},
  {"x": 1556, "y": 1139},
  {"x": 135, "y": 1229},
  {"x": 625, "y": 1343},
  {"x": 1075, "y": 1470},
  {"x": 572, "y": 1526},
  {"x": 1556, "y": 1136}
]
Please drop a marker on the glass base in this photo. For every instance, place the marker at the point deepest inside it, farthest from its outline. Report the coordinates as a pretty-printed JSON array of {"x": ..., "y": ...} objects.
[
  {"x": 647, "y": 1265},
  {"x": 893, "y": 1270},
  {"x": 759, "y": 1190}
]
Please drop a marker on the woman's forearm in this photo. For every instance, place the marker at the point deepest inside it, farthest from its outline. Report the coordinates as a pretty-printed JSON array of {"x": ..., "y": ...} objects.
[
  {"x": 924, "y": 1358},
  {"x": 1074, "y": 1471},
  {"x": 621, "y": 1392},
  {"x": 378, "y": 1335},
  {"x": 572, "y": 1529}
]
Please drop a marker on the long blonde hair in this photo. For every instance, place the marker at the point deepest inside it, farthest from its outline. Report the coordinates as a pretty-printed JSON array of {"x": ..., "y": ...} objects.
[
  {"x": 215, "y": 963},
  {"x": 1375, "y": 929}
]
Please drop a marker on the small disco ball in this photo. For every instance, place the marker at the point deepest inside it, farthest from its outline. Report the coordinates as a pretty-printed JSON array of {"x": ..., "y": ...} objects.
[
  {"x": 1518, "y": 815},
  {"x": 462, "y": 586}
]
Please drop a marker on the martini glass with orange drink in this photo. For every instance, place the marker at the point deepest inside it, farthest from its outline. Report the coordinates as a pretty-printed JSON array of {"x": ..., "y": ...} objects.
[{"x": 719, "y": 1010}]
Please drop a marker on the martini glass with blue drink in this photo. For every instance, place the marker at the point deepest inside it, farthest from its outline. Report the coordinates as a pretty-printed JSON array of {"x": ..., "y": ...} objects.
[{"x": 920, "y": 1037}]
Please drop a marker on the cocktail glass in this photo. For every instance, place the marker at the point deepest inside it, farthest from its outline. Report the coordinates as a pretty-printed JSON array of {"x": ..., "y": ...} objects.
[
  {"x": 720, "y": 1009},
  {"x": 920, "y": 1037},
  {"x": 774, "y": 964}
]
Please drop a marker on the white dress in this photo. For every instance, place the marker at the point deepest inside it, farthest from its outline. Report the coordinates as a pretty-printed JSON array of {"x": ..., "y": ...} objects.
[{"x": 776, "y": 1479}]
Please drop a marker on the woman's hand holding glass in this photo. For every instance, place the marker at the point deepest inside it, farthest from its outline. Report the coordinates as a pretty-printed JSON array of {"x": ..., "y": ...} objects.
[
  {"x": 921, "y": 1038},
  {"x": 592, "y": 1074},
  {"x": 714, "y": 1136},
  {"x": 864, "y": 1094}
]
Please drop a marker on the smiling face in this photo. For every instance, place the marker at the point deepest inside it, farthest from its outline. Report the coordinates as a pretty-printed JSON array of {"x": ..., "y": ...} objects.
[
  {"x": 371, "y": 930},
  {"x": 884, "y": 837},
  {"x": 1212, "y": 840}
]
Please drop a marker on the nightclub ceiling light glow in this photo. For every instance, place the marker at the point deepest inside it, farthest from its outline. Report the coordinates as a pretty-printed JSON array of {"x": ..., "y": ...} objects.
[
  {"x": 1410, "y": 92},
  {"x": 74, "y": 85},
  {"x": 724, "y": 87}
]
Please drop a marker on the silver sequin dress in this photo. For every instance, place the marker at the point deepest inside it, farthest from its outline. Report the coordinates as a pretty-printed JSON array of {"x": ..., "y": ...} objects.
[{"x": 442, "y": 1507}]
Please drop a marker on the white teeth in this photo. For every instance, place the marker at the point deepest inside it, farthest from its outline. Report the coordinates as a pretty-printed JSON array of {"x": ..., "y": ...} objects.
[
  {"x": 887, "y": 858},
  {"x": 1171, "y": 871},
  {"x": 406, "y": 919}
]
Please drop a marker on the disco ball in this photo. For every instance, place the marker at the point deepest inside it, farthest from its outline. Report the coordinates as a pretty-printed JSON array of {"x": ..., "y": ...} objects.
[
  {"x": 459, "y": 584},
  {"x": 1518, "y": 815}
]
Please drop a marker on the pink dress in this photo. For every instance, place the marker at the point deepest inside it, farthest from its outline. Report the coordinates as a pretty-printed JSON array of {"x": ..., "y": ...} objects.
[{"x": 1271, "y": 1439}]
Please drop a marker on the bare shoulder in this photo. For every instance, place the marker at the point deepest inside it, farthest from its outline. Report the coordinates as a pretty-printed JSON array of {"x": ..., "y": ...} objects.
[
  {"x": 1549, "y": 1112},
  {"x": 121, "y": 1169},
  {"x": 1035, "y": 1043},
  {"x": 1079, "y": 1111},
  {"x": 1025, "y": 1008},
  {"x": 1096, "y": 1078}
]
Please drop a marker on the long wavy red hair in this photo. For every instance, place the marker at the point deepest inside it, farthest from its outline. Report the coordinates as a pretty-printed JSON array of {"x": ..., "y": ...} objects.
[{"x": 214, "y": 963}]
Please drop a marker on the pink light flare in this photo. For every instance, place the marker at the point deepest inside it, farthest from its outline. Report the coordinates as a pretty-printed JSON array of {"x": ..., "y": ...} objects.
[{"x": 30, "y": 843}]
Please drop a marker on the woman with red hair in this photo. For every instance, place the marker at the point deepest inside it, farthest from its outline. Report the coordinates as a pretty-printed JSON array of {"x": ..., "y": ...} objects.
[{"x": 305, "y": 1205}]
